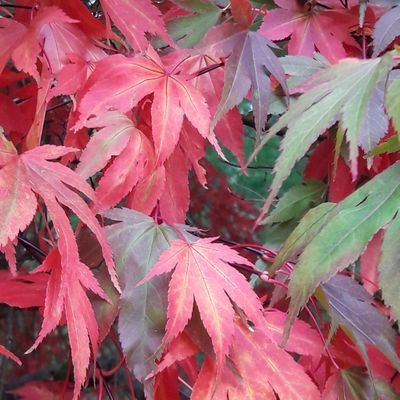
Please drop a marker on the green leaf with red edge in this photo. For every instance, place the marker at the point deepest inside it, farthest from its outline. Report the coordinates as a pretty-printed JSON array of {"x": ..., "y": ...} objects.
[
  {"x": 187, "y": 30},
  {"x": 250, "y": 57},
  {"x": 135, "y": 78},
  {"x": 134, "y": 19},
  {"x": 343, "y": 234},
  {"x": 310, "y": 27},
  {"x": 201, "y": 273}
]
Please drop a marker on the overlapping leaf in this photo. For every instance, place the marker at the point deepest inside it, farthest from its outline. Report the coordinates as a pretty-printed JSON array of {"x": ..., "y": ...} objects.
[
  {"x": 118, "y": 137},
  {"x": 350, "y": 306},
  {"x": 201, "y": 273},
  {"x": 336, "y": 236},
  {"x": 136, "y": 18},
  {"x": 310, "y": 28},
  {"x": 31, "y": 172},
  {"x": 137, "y": 243},
  {"x": 188, "y": 30},
  {"x": 267, "y": 370},
  {"x": 386, "y": 29},
  {"x": 343, "y": 92},
  {"x": 135, "y": 78},
  {"x": 52, "y": 32},
  {"x": 250, "y": 57}
]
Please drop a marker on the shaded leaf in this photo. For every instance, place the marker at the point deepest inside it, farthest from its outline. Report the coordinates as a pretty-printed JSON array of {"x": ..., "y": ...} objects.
[
  {"x": 350, "y": 306},
  {"x": 189, "y": 30},
  {"x": 137, "y": 243},
  {"x": 7, "y": 353},
  {"x": 354, "y": 384},
  {"x": 296, "y": 201}
]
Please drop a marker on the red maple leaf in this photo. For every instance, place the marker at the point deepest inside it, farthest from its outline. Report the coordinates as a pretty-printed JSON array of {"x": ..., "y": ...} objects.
[
  {"x": 310, "y": 28},
  {"x": 66, "y": 295},
  {"x": 201, "y": 273},
  {"x": 133, "y": 79},
  {"x": 21, "y": 176},
  {"x": 134, "y": 19}
]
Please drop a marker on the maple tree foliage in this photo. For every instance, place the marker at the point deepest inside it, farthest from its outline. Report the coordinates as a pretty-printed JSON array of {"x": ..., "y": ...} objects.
[{"x": 199, "y": 199}]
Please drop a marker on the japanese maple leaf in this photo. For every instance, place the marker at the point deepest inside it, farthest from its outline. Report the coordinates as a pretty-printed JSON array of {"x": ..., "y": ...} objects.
[
  {"x": 229, "y": 128},
  {"x": 201, "y": 273},
  {"x": 265, "y": 372},
  {"x": 52, "y": 32},
  {"x": 134, "y": 19},
  {"x": 310, "y": 28},
  {"x": 21, "y": 176},
  {"x": 250, "y": 57},
  {"x": 135, "y": 78},
  {"x": 169, "y": 184},
  {"x": 66, "y": 294},
  {"x": 134, "y": 155}
]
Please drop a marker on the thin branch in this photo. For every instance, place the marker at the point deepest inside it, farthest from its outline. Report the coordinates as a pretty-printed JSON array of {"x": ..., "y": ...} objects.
[
  {"x": 249, "y": 167},
  {"x": 38, "y": 254},
  {"x": 18, "y": 6},
  {"x": 105, "y": 384}
]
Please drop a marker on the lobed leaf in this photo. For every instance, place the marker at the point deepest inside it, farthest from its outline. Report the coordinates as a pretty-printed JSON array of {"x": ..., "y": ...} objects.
[
  {"x": 342, "y": 93},
  {"x": 343, "y": 238}
]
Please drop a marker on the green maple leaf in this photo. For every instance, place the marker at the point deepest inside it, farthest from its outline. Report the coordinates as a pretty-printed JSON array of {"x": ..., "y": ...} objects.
[{"x": 344, "y": 92}]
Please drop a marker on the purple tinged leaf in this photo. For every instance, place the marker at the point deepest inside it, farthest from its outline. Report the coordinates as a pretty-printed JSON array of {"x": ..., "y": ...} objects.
[
  {"x": 137, "y": 242},
  {"x": 386, "y": 29},
  {"x": 350, "y": 306},
  {"x": 250, "y": 59},
  {"x": 375, "y": 122}
]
